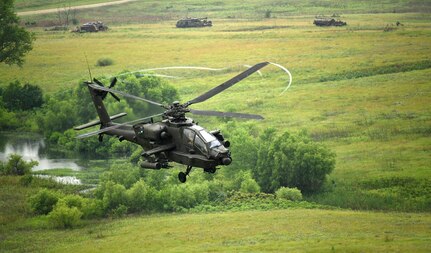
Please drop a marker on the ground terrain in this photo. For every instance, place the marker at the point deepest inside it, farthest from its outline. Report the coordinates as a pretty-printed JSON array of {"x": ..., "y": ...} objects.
[{"x": 363, "y": 92}]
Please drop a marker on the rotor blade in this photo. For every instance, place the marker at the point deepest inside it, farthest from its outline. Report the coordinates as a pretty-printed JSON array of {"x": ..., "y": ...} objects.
[
  {"x": 125, "y": 94},
  {"x": 115, "y": 96},
  {"x": 216, "y": 90},
  {"x": 114, "y": 81},
  {"x": 98, "y": 82},
  {"x": 106, "y": 129},
  {"x": 226, "y": 114}
]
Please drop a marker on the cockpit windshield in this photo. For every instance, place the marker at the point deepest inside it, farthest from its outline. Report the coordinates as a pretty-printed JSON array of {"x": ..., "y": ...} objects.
[
  {"x": 211, "y": 139},
  {"x": 207, "y": 137}
]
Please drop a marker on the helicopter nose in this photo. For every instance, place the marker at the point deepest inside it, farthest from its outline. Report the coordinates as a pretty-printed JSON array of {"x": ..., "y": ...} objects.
[{"x": 226, "y": 160}]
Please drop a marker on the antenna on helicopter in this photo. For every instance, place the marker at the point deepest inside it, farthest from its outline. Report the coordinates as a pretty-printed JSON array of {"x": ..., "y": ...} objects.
[{"x": 88, "y": 66}]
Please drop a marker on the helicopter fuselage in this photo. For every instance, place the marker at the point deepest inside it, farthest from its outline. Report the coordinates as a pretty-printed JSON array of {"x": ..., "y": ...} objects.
[{"x": 183, "y": 142}]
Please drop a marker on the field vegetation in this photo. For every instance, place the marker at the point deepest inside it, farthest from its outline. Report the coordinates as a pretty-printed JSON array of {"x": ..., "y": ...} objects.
[{"x": 360, "y": 93}]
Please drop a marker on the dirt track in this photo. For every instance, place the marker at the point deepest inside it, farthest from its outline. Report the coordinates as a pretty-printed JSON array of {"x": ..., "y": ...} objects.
[{"x": 80, "y": 7}]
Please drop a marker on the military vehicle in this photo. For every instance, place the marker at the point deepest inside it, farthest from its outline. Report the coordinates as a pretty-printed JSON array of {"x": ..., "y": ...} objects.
[
  {"x": 92, "y": 27},
  {"x": 193, "y": 22},
  {"x": 328, "y": 22}
]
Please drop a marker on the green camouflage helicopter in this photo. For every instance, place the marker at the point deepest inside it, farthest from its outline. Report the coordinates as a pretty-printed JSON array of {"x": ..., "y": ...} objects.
[{"x": 176, "y": 138}]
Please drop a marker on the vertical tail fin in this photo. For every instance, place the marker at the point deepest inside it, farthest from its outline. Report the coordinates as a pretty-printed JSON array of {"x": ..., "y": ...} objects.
[{"x": 97, "y": 97}]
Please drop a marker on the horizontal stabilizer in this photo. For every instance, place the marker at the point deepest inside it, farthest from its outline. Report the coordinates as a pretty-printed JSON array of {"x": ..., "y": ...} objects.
[{"x": 97, "y": 122}]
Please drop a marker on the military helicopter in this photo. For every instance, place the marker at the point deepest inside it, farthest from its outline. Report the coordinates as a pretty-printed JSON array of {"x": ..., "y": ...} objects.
[{"x": 176, "y": 138}]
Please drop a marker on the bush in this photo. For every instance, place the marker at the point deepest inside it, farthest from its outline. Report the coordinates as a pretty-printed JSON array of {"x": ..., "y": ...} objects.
[
  {"x": 17, "y": 166},
  {"x": 249, "y": 186},
  {"x": 289, "y": 194},
  {"x": 64, "y": 216},
  {"x": 120, "y": 211},
  {"x": 142, "y": 197},
  {"x": 292, "y": 161},
  {"x": 44, "y": 201},
  {"x": 92, "y": 208},
  {"x": 102, "y": 62},
  {"x": 268, "y": 13},
  {"x": 113, "y": 195}
]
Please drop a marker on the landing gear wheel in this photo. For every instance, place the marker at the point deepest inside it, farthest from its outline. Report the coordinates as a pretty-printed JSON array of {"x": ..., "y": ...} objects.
[{"x": 182, "y": 177}]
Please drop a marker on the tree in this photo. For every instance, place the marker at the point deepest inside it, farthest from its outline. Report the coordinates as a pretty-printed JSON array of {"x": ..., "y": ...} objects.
[
  {"x": 17, "y": 97},
  {"x": 292, "y": 161},
  {"x": 15, "y": 41}
]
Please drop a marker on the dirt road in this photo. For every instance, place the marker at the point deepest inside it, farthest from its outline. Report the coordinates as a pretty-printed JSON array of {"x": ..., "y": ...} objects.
[{"x": 80, "y": 7}]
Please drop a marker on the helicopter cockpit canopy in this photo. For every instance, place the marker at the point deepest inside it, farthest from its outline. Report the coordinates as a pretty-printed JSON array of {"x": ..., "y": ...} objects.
[{"x": 198, "y": 137}]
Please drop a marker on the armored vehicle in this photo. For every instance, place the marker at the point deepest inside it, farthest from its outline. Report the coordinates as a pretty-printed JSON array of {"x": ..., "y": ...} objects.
[
  {"x": 93, "y": 27},
  {"x": 328, "y": 22},
  {"x": 193, "y": 22}
]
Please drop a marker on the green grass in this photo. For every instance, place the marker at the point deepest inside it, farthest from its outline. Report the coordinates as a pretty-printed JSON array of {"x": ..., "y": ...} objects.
[
  {"x": 372, "y": 108},
  {"x": 295, "y": 230},
  {"x": 161, "y": 10}
]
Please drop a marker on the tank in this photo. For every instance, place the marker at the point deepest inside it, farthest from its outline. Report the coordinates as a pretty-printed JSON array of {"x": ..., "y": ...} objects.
[
  {"x": 93, "y": 27},
  {"x": 193, "y": 22},
  {"x": 328, "y": 22}
]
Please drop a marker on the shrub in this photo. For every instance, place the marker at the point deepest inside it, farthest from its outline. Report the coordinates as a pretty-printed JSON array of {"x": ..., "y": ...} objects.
[
  {"x": 120, "y": 211},
  {"x": 289, "y": 193},
  {"x": 73, "y": 200},
  {"x": 292, "y": 161},
  {"x": 44, "y": 201},
  {"x": 17, "y": 166},
  {"x": 113, "y": 195},
  {"x": 102, "y": 62},
  {"x": 268, "y": 13},
  {"x": 142, "y": 197},
  {"x": 250, "y": 186},
  {"x": 63, "y": 216},
  {"x": 124, "y": 174},
  {"x": 92, "y": 208}
]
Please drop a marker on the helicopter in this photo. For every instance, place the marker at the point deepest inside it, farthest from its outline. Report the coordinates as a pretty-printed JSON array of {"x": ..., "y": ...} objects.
[{"x": 176, "y": 138}]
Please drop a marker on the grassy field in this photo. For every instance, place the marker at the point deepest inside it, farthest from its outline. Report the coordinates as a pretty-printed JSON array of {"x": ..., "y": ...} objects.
[
  {"x": 363, "y": 92},
  {"x": 292, "y": 230}
]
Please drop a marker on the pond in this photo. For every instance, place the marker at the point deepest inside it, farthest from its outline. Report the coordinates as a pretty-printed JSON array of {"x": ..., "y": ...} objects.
[{"x": 32, "y": 147}]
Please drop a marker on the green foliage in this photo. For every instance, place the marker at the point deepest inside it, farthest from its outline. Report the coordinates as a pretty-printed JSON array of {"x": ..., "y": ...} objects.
[
  {"x": 238, "y": 201},
  {"x": 25, "y": 180},
  {"x": 292, "y": 161},
  {"x": 289, "y": 193},
  {"x": 15, "y": 41},
  {"x": 102, "y": 62},
  {"x": 8, "y": 120},
  {"x": 92, "y": 208},
  {"x": 22, "y": 97},
  {"x": 64, "y": 216},
  {"x": 44, "y": 201},
  {"x": 393, "y": 68},
  {"x": 120, "y": 211},
  {"x": 16, "y": 166},
  {"x": 124, "y": 174},
  {"x": 114, "y": 195},
  {"x": 142, "y": 197},
  {"x": 268, "y": 13},
  {"x": 249, "y": 185}
]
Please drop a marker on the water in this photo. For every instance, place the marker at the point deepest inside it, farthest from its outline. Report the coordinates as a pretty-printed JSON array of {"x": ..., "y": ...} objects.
[{"x": 32, "y": 147}]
